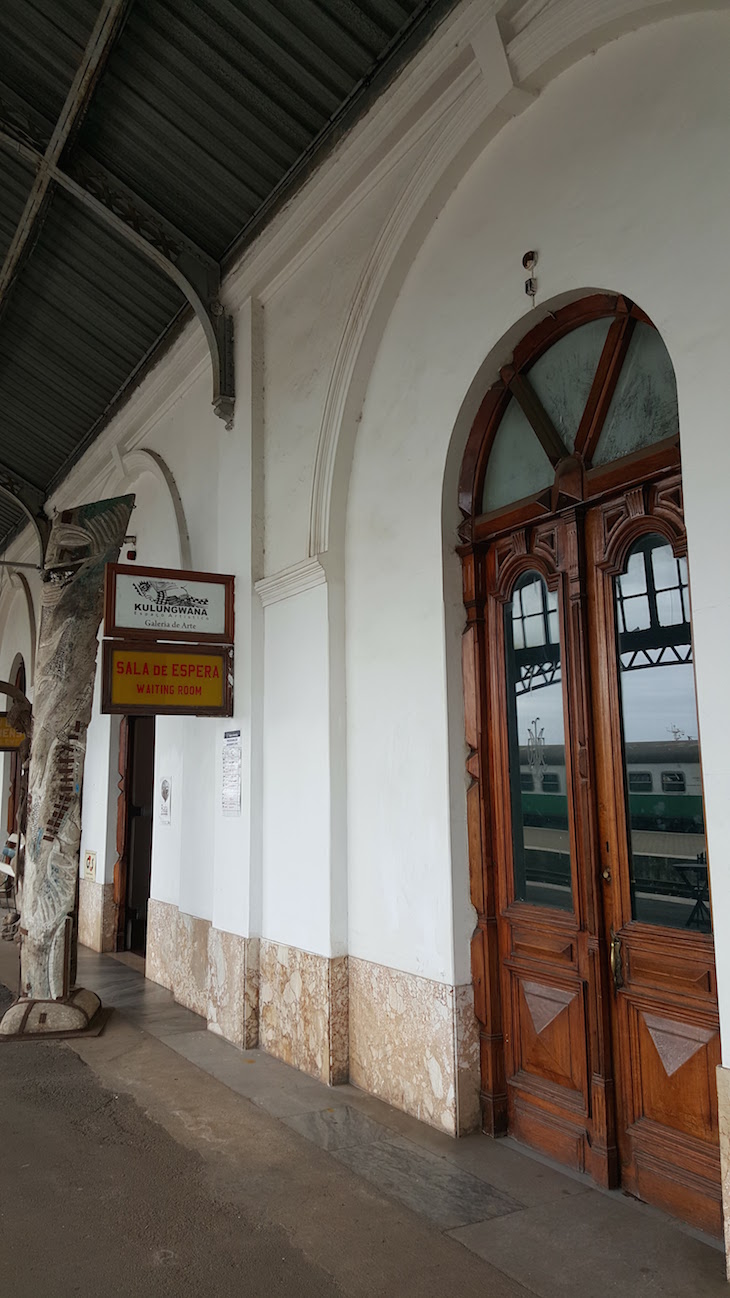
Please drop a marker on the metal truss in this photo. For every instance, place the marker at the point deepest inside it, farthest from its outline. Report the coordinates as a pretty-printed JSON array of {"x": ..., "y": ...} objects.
[{"x": 25, "y": 133}]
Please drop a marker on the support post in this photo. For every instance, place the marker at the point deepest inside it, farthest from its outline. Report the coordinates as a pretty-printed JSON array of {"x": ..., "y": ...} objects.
[{"x": 81, "y": 543}]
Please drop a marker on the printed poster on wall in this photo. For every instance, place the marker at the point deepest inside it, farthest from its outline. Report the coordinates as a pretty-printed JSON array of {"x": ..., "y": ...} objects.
[
  {"x": 232, "y": 773},
  {"x": 164, "y": 804}
]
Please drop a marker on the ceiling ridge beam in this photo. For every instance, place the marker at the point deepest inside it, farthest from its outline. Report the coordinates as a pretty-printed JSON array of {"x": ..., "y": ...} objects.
[{"x": 108, "y": 24}]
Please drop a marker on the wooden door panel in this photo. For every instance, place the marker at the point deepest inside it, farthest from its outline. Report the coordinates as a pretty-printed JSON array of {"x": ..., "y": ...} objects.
[
  {"x": 673, "y": 1072},
  {"x": 534, "y": 882},
  {"x": 664, "y": 1007},
  {"x": 540, "y": 1126},
  {"x": 694, "y": 1199},
  {"x": 661, "y": 969},
  {"x": 550, "y": 1034},
  {"x": 530, "y": 944}
]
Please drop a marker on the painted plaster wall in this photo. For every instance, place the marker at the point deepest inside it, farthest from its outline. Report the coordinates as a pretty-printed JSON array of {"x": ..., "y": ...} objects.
[
  {"x": 612, "y": 213},
  {"x": 296, "y": 875},
  {"x": 99, "y": 800},
  {"x": 304, "y": 315}
]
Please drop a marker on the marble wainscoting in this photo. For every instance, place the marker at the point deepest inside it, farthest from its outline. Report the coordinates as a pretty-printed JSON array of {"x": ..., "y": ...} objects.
[
  {"x": 233, "y": 987},
  {"x": 415, "y": 1044},
  {"x": 207, "y": 970},
  {"x": 97, "y": 915},
  {"x": 304, "y": 1010},
  {"x": 723, "y": 1110}
]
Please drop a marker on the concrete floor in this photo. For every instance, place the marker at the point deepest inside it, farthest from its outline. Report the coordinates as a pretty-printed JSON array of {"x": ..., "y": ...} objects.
[{"x": 158, "y": 1159}]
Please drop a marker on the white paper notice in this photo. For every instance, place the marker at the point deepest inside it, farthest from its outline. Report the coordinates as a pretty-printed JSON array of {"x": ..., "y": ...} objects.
[
  {"x": 232, "y": 761},
  {"x": 164, "y": 801}
]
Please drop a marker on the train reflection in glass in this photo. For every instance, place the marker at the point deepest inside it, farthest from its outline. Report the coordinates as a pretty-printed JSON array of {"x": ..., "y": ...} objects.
[
  {"x": 662, "y": 776},
  {"x": 661, "y": 761}
]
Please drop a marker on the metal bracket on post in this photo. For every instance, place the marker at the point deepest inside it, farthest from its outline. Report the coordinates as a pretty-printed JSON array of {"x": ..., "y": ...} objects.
[
  {"x": 224, "y": 391},
  {"x": 197, "y": 275}
]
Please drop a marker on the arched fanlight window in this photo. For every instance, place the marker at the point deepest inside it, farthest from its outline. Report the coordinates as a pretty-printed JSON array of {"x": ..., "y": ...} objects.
[{"x": 589, "y": 392}]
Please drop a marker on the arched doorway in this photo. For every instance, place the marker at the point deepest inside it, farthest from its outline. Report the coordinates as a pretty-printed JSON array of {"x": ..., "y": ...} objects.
[
  {"x": 15, "y": 764},
  {"x": 593, "y": 960}
]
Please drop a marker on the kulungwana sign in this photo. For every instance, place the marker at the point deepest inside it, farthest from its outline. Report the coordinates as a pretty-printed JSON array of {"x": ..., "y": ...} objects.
[{"x": 168, "y": 604}]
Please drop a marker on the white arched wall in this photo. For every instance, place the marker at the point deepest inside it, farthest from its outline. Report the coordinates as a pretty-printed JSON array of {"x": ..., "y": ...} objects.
[
  {"x": 193, "y": 481},
  {"x": 624, "y": 191}
]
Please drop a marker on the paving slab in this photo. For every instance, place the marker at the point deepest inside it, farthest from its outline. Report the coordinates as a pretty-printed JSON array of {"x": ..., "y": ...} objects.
[
  {"x": 598, "y": 1245},
  {"x": 429, "y": 1185}
]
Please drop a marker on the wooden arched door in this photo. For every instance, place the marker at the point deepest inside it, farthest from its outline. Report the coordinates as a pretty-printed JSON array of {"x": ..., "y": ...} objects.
[{"x": 593, "y": 959}]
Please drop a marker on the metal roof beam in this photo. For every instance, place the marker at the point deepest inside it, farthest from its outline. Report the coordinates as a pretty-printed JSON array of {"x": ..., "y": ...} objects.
[
  {"x": 30, "y": 500},
  {"x": 106, "y": 29},
  {"x": 196, "y": 274}
]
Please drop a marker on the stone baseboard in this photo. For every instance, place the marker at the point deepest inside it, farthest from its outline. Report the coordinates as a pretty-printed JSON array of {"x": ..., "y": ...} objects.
[
  {"x": 410, "y": 1041},
  {"x": 415, "y": 1044},
  {"x": 304, "y": 1010},
  {"x": 207, "y": 970},
  {"x": 233, "y": 987},
  {"x": 97, "y": 915}
]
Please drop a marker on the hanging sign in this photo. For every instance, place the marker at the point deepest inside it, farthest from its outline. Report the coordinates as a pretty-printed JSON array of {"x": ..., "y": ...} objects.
[
  {"x": 168, "y": 604},
  {"x": 147, "y": 679},
  {"x": 9, "y": 739}
]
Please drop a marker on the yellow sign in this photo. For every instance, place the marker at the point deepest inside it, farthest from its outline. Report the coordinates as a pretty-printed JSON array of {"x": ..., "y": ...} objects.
[
  {"x": 165, "y": 680},
  {"x": 9, "y": 739}
]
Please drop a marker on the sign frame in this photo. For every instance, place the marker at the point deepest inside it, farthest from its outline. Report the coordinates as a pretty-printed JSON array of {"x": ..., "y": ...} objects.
[
  {"x": 115, "y": 631},
  {"x": 224, "y": 651},
  {"x": 9, "y": 748}
]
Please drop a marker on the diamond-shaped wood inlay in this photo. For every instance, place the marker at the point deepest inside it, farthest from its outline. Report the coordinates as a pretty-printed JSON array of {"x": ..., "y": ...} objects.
[
  {"x": 545, "y": 1003},
  {"x": 675, "y": 1042}
]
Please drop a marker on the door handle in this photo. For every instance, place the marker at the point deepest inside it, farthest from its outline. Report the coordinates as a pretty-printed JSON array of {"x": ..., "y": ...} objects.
[{"x": 616, "y": 962}]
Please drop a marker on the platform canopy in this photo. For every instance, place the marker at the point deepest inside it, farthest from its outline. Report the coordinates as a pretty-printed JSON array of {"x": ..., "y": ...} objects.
[{"x": 143, "y": 145}]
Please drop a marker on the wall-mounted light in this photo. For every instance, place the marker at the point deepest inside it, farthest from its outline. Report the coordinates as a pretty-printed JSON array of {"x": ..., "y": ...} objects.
[{"x": 529, "y": 261}]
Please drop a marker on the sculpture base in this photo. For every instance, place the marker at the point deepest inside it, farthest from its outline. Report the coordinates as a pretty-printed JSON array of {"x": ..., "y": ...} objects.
[{"x": 77, "y": 1015}]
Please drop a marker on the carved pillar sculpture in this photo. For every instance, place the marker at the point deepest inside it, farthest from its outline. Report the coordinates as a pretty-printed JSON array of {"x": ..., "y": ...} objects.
[{"x": 82, "y": 541}]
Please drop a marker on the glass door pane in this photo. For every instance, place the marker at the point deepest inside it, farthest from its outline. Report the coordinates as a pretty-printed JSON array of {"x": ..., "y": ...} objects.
[
  {"x": 536, "y": 731},
  {"x": 668, "y": 851}
]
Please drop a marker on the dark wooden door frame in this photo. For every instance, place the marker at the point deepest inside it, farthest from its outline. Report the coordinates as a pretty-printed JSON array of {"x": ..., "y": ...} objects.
[
  {"x": 128, "y": 753},
  {"x": 121, "y": 864},
  {"x": 659, "y": 973},
  {"x": 514, "y": 942}
]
